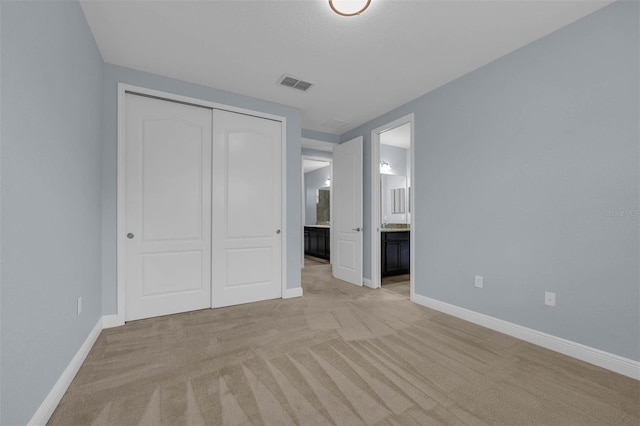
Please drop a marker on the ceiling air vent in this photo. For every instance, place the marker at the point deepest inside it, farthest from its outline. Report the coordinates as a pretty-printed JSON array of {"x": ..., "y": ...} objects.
[{"x": 289, "y": 81}]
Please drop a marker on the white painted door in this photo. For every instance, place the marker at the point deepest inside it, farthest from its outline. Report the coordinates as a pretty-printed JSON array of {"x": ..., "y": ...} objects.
[
  {"x": 247, "y": 209},
  {"x": 346, "y": 256},
  {"x": 167, "y": 229}
]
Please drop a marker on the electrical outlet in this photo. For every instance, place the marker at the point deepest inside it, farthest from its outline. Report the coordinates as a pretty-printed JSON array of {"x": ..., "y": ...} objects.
[
  {"x": 79, "y": 305},
  {"x": 549, "y": 298},
  {"x": 479, "y": 281}
]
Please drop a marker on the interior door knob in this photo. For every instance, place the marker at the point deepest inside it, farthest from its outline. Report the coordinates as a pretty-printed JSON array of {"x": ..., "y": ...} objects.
[
  {"x": 357, "y": 229},
  {"x": 130, "y": 236},
  {"x": 277, "y": 231}
]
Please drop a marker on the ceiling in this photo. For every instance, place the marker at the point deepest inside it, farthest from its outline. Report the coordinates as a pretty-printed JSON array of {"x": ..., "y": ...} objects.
[
  {"x": 398, "y": 136},
  {"x": 311, "y": 165},
  {"x": 361, "y": 67}
]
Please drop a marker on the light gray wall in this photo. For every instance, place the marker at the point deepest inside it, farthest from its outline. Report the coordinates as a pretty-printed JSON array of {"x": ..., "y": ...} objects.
[
  {"x": 396, "y": 157},
  {"x": 51, "y": 104},
  {"x": 112, "y": 76},
  {"x": 1, "y": 204},
  {"x": 312, "y": 181},
  {"x": 316, "y": 153},
  {"x": 522, "y": 168},
  {"x": 320, "y": 136}
]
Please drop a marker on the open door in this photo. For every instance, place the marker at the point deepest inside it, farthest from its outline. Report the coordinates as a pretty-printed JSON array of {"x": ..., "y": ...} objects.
[{"x": 347, "y": 212}]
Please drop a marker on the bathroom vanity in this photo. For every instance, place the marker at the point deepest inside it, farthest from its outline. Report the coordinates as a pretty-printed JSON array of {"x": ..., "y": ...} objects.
[
  {"x": 396, "y": 251},
  {"x": 317, "y": 241}
]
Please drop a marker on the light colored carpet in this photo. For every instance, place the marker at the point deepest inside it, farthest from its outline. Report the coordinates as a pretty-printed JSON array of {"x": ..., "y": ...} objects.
[
  {"x": 394, "y": 279},
  {"x": 397, "y": 283},
  {"x": 403, "y": 288},
  {"x": 314, "y": 261},
  {"x": 339, "y": 355}
]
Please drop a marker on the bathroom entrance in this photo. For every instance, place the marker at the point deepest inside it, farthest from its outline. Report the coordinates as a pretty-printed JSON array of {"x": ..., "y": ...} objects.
[{"x": 392, "y": 206}]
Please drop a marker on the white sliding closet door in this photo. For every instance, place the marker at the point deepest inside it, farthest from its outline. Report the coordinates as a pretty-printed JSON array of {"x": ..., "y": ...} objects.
[
  {"x": 247, "y": 209},
  {"x": 167, "y": 229}
]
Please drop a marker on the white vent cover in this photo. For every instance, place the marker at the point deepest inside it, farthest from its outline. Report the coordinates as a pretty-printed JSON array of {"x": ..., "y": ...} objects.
[{"x": 293, "y": 82}]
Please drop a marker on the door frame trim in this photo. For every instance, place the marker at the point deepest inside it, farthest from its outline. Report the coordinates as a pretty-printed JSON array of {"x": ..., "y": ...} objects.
[
  {"x": 123, "y": 89},
  {"x": 376, "y": 258}
]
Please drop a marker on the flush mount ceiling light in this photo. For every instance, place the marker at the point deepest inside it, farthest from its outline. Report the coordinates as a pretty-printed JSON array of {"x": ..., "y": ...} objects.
[{"x": 349, "y": 7}]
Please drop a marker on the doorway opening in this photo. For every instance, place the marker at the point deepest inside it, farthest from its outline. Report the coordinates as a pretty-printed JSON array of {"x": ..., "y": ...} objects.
[
  {"x": 316, "y": 210},
  {"x": 392, "y": 206}
]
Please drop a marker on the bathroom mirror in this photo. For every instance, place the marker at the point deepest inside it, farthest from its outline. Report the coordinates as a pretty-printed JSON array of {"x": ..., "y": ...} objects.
[
  {"x": 317, "y": 192},
  {"x": 323, "y": 206},
  {"x": 393, "y": 196}
]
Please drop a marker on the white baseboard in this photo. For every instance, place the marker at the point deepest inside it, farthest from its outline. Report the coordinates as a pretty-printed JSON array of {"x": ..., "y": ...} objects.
[
  {"x": 292, "y": 292},
  {"x": 110, "y": 321},
  {"x": 48, "y": 406},
  {"x": 625, "y": 366}
]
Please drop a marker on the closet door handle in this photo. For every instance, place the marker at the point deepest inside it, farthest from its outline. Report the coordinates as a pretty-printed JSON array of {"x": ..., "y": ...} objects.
[
  {"x": 130, "y": 236},
  {"x": 277, "y": 231}
]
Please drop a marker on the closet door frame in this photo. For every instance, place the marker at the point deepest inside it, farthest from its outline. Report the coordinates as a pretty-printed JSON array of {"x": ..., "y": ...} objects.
[{"x": 119, "y": 317}]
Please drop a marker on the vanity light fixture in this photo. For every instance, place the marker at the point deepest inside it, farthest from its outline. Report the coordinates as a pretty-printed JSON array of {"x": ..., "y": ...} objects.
[
  {"x": 349, "y": 7},
  {"x": 384, "y": 167}
]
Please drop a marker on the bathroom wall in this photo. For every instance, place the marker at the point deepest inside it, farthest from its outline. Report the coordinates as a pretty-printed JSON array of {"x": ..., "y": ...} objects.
[{"x": 397, "y": 159}]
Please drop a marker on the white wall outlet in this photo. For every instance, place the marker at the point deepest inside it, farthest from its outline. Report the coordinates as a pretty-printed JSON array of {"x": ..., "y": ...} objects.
[
  {"x": 479, "y": 281},
  {"x": 549, "y": 298},
  {"x": 79, "y": 305}
]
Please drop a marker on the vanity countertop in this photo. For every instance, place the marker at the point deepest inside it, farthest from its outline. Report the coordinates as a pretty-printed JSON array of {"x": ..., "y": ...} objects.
[
  {"x": 317, "y": 226},
  {"x": 395, "y": 229}
]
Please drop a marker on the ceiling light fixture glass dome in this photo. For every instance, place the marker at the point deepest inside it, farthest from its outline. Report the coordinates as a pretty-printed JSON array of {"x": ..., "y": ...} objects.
[{"x": 349, "y": 7}]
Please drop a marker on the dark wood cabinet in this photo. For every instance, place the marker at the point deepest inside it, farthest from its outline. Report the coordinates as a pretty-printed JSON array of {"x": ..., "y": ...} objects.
[
  {"x": 317, "y": 242},
  {"x": 396, "y": 251}
]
